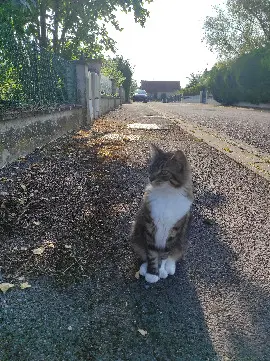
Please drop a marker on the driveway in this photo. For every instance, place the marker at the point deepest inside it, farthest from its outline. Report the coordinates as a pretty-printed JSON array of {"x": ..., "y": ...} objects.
[
  {"x": 245, "y": 124},
  {"x": 66, "y": 212}
]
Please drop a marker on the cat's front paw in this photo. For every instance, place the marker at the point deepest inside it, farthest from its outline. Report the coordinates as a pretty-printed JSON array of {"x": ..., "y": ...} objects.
[
  {"x": 170, "y": 266},
  {"x": 143, "y": 269},
  {"x": 163, "y": 273},
  {"x": 151, "y": 278}
]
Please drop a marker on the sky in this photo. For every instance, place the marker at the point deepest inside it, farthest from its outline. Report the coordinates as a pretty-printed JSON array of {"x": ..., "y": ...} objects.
[{"x": 170, "y": 46}]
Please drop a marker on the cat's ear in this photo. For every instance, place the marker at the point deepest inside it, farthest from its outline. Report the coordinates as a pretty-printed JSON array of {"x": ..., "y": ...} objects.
[
  {"x": 180, "y": 156},
  {"x": 155, "y": 151}
]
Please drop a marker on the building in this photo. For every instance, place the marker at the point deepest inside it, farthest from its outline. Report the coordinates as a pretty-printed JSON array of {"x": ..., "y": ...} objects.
[{"x": 160, "y": 89}]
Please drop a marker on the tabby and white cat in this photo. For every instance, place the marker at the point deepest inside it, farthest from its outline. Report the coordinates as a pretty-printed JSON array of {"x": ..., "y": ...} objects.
[{"x": 159, "y": 232}]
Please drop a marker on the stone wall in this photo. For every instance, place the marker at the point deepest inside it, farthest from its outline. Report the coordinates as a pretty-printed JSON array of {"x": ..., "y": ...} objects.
[{"x": 19, "y": 137}]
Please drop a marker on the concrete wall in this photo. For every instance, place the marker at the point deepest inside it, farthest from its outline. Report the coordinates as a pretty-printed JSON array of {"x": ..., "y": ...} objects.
[
  {"x": 108, "y": 103},
  {"x": 19, "y": 137},
  {"x": 191, "y": 99},
  {"x": 197, "y": 99},
  {"x": 250, "y": 105}
]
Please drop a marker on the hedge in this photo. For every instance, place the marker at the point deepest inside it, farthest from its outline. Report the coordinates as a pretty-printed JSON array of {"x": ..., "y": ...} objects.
[{"x": 246, "y": 78}]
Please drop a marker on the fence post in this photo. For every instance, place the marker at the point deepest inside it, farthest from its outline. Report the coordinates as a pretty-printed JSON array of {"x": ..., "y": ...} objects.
[
  {"x": 95, "y": 81},
  {"x": 88, "y": 87},
  {"x": 90, "y": 97},
  {"x": 83, "y": 96},
  {"x": 201, "y": 96},
  {"x": 122, "y": 95},
  {"x": 114, "y": 91},
  {"x": 94, "y": 67}
]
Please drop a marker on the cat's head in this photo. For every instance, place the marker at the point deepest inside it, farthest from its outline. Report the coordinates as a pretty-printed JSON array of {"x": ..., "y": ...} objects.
[{"x": 169, "y": 167}]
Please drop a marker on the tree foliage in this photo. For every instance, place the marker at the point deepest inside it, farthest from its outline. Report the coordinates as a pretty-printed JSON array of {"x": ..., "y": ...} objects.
[
  {"x": 121, "y": 70},
  {"x": 109, "y": 68},
  {"x": 238, "y": 28},
  {"x": 197, "y": 82},
  {"x": 194, "y": 79},
  {"x": 134, "y": 86},
  {"x": 246, "y": 78},
  {"x": 70, "y": 27},
  {"x": 124, "y": 66}
]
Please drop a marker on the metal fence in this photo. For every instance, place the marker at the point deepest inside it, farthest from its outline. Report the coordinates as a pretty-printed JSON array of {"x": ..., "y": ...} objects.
[{"x": 32, "y": 78}]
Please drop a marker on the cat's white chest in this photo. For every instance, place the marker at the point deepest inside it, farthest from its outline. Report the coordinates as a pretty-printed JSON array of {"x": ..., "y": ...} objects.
[{"x": 168, "y": 205}]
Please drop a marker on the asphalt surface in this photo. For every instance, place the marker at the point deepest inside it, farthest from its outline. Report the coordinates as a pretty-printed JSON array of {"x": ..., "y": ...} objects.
[
  {"x": 245, "y": 124},
  {"x": 216, "y": 307}
]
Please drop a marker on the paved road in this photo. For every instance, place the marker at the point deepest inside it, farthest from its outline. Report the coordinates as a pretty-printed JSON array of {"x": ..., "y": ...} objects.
[
  {"x": 248, "y": 125},
  {"x": 88, "y": 305}
]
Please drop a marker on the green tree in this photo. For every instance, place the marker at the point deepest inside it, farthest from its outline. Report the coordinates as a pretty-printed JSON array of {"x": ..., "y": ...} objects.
[
  {"x": 73, "y": 27},
  {"x": 238, "y": 28},
  {"x": 197, "y": 82},
  {"x": 110, "y": 69},
  {"x": 16, "y": 14},
  {"x": 126, "y": 69},
  {"x": 134, "y": 86},
  {"x": 121, "y": 70},
  {"x": 194, "y": 79}
]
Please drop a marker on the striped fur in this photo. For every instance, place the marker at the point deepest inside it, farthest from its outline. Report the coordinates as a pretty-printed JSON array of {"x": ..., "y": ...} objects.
[{"x": 159, "y": 232}]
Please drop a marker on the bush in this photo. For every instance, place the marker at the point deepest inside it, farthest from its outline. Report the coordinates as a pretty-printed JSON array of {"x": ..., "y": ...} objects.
[{"x": 246, "y": 78}]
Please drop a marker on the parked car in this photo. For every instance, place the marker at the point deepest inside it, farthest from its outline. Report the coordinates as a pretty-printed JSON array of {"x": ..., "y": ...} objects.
[{"x": 140, "y": 96}]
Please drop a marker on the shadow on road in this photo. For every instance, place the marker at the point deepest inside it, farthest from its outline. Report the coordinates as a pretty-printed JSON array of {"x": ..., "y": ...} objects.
[
  {"x": 239, "y": 309},
  {"x": 93, "y": 308},
  {"x": 88, "y": 305}
]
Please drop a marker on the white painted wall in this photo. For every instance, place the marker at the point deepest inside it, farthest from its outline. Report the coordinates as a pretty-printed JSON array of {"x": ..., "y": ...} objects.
[
  {"x": 191, "y": 99},
  {"x": 196, "y": 99}
]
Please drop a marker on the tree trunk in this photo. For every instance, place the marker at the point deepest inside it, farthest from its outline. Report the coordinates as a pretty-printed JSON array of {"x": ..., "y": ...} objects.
[
  {"x": 56, "y": 27},
  {"x": 65, "y": 25},
  {"x": 43, "y": 30}
]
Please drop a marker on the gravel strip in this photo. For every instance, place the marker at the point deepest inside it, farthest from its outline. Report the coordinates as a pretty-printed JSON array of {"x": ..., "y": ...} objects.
[
  {"x": 76, "y": 198},
  {"x": 245, "y": 124}
]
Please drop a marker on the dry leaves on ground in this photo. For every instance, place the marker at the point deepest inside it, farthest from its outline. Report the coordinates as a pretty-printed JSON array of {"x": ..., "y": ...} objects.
[
  {"x": 142, "y": 332},
  {"x": 4, "y": 287},
  {"x": 39, "y": 250},
  {"x": 24, "y": 285}
]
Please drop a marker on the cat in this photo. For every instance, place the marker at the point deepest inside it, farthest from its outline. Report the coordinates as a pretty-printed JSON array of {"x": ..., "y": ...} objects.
[{"x": 158, "y": 235}]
